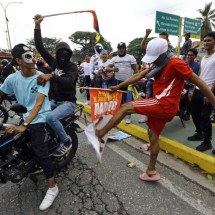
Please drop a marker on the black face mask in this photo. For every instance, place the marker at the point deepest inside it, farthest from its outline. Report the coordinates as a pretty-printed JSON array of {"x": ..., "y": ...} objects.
[
  {"x": 63, "y": 57},
  {"x": 98, "y": 49}
]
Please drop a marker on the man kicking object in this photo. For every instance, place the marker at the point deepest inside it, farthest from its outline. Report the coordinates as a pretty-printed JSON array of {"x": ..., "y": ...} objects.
[{"x": 170, "y": 74}]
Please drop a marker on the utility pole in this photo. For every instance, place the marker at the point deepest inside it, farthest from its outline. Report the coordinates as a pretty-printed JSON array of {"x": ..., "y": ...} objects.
[{"x": 6, "y": 19}]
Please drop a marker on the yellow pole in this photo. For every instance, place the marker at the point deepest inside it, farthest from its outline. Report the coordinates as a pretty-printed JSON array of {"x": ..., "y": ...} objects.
[{"x": 179, "y": 36}]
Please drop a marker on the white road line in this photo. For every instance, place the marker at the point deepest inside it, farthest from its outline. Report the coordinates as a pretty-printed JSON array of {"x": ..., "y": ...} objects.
[
  {"x": 182, "y": 194},
  {"x": 176, "y": 190}
]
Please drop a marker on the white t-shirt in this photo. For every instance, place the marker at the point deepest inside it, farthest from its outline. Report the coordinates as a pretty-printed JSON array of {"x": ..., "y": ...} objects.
[
  {"x": 86, "y": 68},
  {"x": 94, "y": 62},
  {"x": 124, "y": 66},
  {"x": 207, "y": 70},
  {"x": 104, "y": 65}
]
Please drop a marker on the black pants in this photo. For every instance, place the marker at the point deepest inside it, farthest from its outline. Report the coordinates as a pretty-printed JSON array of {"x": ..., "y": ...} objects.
[
  {"x": 201, "y": 115},
  {"x": 87, "y": 84},
  {"x": 40, "y": 148},
  {"x": 124, "y": 95}
]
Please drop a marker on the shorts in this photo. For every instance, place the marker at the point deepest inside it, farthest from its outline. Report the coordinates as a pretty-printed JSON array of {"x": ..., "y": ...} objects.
[{"x": 157, "y": 115}]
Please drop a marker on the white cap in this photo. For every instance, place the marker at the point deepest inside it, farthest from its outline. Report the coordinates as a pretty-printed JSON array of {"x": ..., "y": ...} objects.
[{"x": 154, "y": 49}]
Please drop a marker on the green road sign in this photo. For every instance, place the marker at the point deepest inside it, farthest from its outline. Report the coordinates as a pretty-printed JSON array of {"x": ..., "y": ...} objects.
[
  {"x": 167, "y": 22},
  {"x": 193, "y": 26}
]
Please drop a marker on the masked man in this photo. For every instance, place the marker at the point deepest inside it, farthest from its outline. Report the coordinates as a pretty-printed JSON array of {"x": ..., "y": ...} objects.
[
  {"x": 63, "y": 86},
  {"x": 34, "y": 97},
  {"x": 94, "y": 66}
]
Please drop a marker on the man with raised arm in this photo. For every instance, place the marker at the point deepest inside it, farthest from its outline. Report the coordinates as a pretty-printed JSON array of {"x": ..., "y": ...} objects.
[{"x": 62, "y": 78}]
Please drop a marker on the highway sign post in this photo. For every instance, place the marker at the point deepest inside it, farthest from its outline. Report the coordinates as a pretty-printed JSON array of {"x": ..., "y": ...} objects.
[
  {"x": 193, "y": 26},
  {"x": 167, "y": 22},
  {"x": 172, "y": 24}
]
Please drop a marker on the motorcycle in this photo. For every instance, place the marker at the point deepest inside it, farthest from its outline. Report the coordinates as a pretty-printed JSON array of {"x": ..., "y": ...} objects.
[
  {"x": 17, "y": 160},
  {"x": 81, "y": 81},
  {"x": 5, "y": 102}
]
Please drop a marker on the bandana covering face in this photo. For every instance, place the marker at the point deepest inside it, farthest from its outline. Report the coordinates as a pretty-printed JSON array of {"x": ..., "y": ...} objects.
[
  {"x": 98, "y": 49},
  {"x": 63, "y": 57}
]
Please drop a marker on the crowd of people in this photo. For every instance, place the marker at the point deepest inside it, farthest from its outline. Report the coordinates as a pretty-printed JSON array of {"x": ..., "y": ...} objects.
[{"x": 50, "y": 89}]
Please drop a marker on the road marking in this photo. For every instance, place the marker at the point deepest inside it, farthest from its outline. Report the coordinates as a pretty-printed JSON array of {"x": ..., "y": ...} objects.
[
  {"x": 176, "y": 190},
  {"x": 182, "y": 194}
]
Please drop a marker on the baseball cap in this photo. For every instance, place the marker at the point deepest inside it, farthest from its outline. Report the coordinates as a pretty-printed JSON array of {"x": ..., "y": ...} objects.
[
  {"x": 154, "y": 49},
  {"x": 19, "y": 49},
  {"x": 121, "y": 45},
  {"x": 187, "y": 34}
]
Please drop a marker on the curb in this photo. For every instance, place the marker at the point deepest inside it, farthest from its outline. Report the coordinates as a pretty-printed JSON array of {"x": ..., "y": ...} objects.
[{"x": 203, "y": 161}]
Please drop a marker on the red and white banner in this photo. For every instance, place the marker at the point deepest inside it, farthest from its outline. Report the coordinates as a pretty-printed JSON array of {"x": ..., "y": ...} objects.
[{"x": 104, "y": 104}]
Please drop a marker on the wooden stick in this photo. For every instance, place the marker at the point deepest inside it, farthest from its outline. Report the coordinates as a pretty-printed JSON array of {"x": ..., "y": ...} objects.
[
  {"x": 57, "y": 14},
  {"x": 88, "y": 88}
]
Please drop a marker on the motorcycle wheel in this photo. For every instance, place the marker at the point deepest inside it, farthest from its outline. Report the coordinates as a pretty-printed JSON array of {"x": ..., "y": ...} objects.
[
  {"x": 4, "y": 117},
  {"x": 65, "y": 160}
]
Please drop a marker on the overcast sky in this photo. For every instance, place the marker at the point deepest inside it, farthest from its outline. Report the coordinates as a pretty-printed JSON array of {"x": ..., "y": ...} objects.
[{"x": 119, "y": 20}]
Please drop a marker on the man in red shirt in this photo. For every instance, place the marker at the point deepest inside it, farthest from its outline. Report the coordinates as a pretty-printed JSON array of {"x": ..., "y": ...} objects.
[{"x": 168, "y": 86}]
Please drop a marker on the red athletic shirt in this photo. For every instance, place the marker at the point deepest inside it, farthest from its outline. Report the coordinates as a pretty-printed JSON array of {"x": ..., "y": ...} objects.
[{"x": 169, "y": 85}]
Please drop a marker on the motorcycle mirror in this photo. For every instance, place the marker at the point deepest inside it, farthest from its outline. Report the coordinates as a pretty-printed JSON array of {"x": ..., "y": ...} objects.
[{"x": 18, "y": 108}]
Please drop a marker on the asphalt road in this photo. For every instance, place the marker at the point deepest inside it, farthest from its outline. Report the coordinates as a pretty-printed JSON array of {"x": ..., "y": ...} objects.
[{"x": 87, "y": 187}]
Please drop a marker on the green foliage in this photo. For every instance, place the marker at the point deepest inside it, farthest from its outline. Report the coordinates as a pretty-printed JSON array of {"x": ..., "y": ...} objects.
[
  {"x": 86, "y": 42},
  {"x": 208, "y": 19},
  {"x": 135, "y": 49},
  {"x": 49, "y": 43}
]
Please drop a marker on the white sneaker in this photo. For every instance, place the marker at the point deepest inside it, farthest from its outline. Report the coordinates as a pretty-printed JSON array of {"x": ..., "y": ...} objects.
[
  {"x": 128, "y": 121},
  {"x": 17, "y": 116},
  {"x": 49, "y": 199},
  {"x": 143, "y": 120}
]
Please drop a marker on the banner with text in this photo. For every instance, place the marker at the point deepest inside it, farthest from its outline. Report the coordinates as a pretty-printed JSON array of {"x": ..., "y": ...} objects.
[{"x": 104, "y": 104}]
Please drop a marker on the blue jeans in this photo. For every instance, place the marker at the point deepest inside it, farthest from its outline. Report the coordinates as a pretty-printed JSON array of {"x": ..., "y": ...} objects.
[
  {"x": 109, "y": 83},
  {"x": 60, "y": 109}
]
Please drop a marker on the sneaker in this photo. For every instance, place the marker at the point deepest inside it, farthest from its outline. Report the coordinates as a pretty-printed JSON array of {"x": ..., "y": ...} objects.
[
  {"x": 17, "y": 117},
  {"x": 63, "y": 148},
  {"x": 49, "y": 198},
  {"x": 143, "y": 120},
  {"x": 128, "y": 121},
  {"x": 196, "y": 137},
  {"x": 204, "y": 147}
]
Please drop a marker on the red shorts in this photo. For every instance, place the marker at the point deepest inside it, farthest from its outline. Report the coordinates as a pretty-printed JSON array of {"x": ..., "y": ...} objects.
[{"x": 157, "y": 115}]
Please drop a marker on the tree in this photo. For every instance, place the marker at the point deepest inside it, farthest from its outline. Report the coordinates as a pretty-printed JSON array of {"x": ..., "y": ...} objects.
[
  {"x": 86, "y": 41},
  {"x": 135, "y": 49},
  {"x": 49, "y": 43},
  {"x": 208, "y": 19}
]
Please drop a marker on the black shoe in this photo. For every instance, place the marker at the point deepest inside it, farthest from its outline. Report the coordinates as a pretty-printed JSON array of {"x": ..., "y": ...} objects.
[
  {"x": 62, "y": 149},
  {"x": 196, "y": 137},
  {"x": 212, "y": 120},
  {"x": 186, "y": 117},
  {"x": 213, "y": 151},
  {"x": 204, "y": 146}
]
